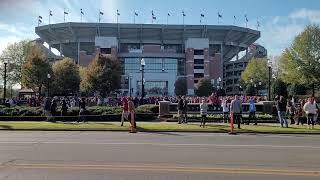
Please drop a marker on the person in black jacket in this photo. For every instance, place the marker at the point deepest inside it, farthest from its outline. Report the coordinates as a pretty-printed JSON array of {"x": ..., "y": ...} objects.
[
  {"x": 282, "y": 109},
  {"x": 64, "y": 108},
  {"x": 185, "y": 110},
  {"x": 82, "y": 112},
  {"x": 180, "y": 109},
  {"x": 53, "y": 108}
]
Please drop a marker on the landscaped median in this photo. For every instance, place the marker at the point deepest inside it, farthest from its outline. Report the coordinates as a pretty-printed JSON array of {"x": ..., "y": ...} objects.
[{"x": 155, "y": 127}]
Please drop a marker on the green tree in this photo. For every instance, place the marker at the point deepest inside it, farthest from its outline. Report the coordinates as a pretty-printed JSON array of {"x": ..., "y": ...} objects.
[
  {"x": 103, "y": 75},
  {"x": 257, "y": 71},
  {"x": 205, "y": 88},
  {"x": 84, "y": 87},
  {"x": 296, "y": 89},
  {"x": 180, "y": 87},
  {"x": 279, "y": 88},
  {"x": 15, "y": 54},
  {"x": 250, "y": 90},
  {"x": 34, "y": 71},
  {"x": 300, "y": 63},
  {"x": 66, "y": 78}
]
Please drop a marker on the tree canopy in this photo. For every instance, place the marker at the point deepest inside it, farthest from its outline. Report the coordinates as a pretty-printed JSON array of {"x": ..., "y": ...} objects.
[
  {"x": 205, "y": 88},
  {"x": 35, "y": 70},
  {"x": 300, "y": 64},
  {"x": 66, "y": 78},
  {"x": 15, "y": 54},
  {"x": 103, "y": 75},
  {"x": 180, "y": 87},
  {"x": 257, "y": 71}
]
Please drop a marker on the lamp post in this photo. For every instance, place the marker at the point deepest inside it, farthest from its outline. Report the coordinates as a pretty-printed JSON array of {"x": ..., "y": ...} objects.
[
  {"x": 274, "y": 89},
  {"x": 48, "y": 83},
  {"x": 142, "y": 63},
  {"x": 5, "y": 82},
  {"x": 269, "y": 80},
  {"x": 130, "y": 87},
  {"x": 259, "y": 87},
  {"x": 255, "y": 89}
]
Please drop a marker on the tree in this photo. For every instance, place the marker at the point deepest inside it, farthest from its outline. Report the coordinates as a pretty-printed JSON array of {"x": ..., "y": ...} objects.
[
  {"x": 250, "y": 90},
  {"x": 205, "y": 88},
  {"x": 103, "y": 75},
  {"x": 279, "y": 88},
  {"x": 300, "y": 63},
  {"x": 84, "y": 87},
  {"x": 34, "y": 71},
  {"x": 257, "y": 71},
  {"x": 15, "y": 54},
  {"x": 180, "y": 87},
  {"x": 66, "y": 78},
  {"x": 295, "y": 89}
]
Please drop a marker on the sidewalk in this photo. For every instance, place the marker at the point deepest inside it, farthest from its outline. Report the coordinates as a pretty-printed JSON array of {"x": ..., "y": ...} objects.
[{"x": 155, "y": 127}]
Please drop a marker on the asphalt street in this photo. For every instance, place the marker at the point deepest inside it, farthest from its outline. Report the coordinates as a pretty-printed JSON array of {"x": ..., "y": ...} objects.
[{"x": 120, "y": 155}]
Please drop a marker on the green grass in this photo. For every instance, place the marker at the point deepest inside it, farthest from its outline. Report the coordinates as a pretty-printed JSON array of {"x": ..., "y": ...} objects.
[{"x": 156, "y": 126}]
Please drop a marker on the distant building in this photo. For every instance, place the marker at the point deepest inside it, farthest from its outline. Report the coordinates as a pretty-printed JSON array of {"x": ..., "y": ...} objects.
[{"x": 170, "y": 51}]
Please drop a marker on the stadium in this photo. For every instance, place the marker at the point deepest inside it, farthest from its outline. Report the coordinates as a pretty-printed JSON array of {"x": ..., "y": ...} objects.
[{"x": 170, "y": 51}]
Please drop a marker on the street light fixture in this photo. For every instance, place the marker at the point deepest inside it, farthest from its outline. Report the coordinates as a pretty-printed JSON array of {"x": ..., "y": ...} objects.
[
  {"x": 142, "y": 63},
  {"x": 269, "y": 80},
  {"x": 48, "y": 88},
  {"x": 130, "y": 88}
]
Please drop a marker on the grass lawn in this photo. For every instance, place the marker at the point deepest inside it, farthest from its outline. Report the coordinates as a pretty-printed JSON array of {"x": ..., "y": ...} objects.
[{"x": 156, "y": 126}]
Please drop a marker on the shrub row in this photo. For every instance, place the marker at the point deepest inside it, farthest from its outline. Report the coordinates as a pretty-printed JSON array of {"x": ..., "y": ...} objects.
[{"x": 95, "y": 113}]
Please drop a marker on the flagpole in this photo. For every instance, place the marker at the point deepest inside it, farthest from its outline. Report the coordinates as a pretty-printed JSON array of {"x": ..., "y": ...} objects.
[
  {"x": 81, "y": 15},
  {"x": 167, "y": 19},
  {"x": 64, "y": 15},
  {"x": 234, "y": 20},
  {"x": 134, "y": 18},
  {"x": 117, "y": 16},
  {"x": 49, "y": 15}
]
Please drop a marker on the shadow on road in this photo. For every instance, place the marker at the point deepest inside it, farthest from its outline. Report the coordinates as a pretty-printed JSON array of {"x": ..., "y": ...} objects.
[{"x": 5, "y": 127}]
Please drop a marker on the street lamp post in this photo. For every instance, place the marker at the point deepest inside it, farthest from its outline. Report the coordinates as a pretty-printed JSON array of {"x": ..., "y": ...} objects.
[
  {"x": 5, "y": 82},
  {"x": 143, "y": 63},
  {"x": 48, "y": 84},
  {"x": 259, "y": 87},
  {"x": 274, "y": 89},
  {"x": 130, "y": 87},
  {"x": 269, "y": 80}
]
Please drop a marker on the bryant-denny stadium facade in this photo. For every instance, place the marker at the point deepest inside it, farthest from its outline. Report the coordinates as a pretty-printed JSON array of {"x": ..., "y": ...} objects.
[{"x": 170, "y": 52}]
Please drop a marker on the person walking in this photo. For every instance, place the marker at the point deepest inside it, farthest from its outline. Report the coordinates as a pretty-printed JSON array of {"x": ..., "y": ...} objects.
[
  {"x": 310, "y": 109},
  {"x": 290, "y": 110},
  {"x": 282, "y": 109},
  {"x": 53, "y": 109},
  {"x": 131, "y": 117},
  {"x": 64, "y": 108},
  {"x": 180, "y": 109},
  {"x": 236, "y": 110},
  {"x": 82, "y": 112},
  {"x": 252, "y": 111},
  {"x": 46, "y": 108},
  {"x": 125, "y": 110},
  {"x": 185, "y": 110},
  {"x": 203, "y": 112},
  {"x": 225, "y": 109}
]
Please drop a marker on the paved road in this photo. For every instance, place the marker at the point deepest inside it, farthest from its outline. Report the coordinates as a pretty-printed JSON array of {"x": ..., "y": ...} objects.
[{"x": 119, "y": 155}]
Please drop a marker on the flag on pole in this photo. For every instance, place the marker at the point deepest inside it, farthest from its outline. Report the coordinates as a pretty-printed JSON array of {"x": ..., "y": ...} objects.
[
  {"x": 81, "y": 12},
  {"x": 40, "y": 21},
  {"x": 183, "y": 14},
  {"x": 40, "y": 17},
  {"x": 202, "y": 15},
  {"x": 168, "y": 14},
  {"x": 118, "y": 12},
  {"x": 65, "y": 12},
  {"x": 50, "y": 13},
  {"x": 234, "y": 17},
  {"x": 136, "y": 14},
  {"x": 101, "y": 13},
  {"x": 219, "y": 15},
  {"x": 246, "y": 18}
]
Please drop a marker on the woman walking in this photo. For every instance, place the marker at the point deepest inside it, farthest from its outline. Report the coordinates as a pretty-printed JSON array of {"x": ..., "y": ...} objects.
[{"x": 203, "y": 112}]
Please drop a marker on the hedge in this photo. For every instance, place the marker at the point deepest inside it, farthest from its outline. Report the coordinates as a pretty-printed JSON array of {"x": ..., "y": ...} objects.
[{"x": 94, "y": 113}]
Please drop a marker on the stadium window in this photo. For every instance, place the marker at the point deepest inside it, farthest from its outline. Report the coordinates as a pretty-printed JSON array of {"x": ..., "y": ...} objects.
[
  {"x": 105, "y": 50},
  {"x": 198, "y": 67},
  {"x": 198, "y": 61},
  {"x": 198, "y": 52},
  {"x": 198, "y": 75}
]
